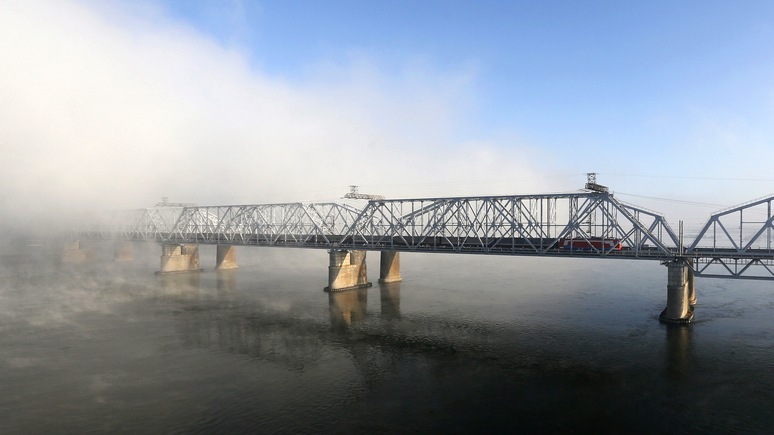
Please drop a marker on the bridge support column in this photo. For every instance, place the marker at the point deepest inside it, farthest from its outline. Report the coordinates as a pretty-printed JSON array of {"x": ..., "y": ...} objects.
[
  {"x": 123, "y": 251},
  {"x": 226, "y": 257},
  {"x": 78, "y": 251},
  {"x": 347, "y": 270},
  {"x": 691, "y": 288},
  {"x": 678, "y": 308},
  {"x": 389, "y": 270},
  {"x": 179, "y": 258}
]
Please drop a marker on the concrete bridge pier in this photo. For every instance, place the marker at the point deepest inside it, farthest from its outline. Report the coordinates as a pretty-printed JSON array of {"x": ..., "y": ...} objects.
[
  {"x": 347, "y": 270},
  {"x": 226, "y": 257},
  {"x": 389, "y": 270},
  {"x": 179, "y": 257},
  {"x": 691, "y": 288},
  {"x": 679, "y": 291},
  {"x": 123, "y": 250},
  {"x": 78, "y": 251}
]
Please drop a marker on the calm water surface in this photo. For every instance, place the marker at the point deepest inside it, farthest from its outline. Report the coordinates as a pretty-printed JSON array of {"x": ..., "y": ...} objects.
[{"x": 463, "y": 344}]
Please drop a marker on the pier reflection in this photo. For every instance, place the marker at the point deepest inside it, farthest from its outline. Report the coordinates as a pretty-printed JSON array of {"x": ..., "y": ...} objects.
[
  {"x": 226, "y": 282},
  {"x": 390, "y": 300},
  {"x": 251, "y": 331},
  {"x": 678, "y": 350},
  {"x": 347, "y": 306},
  {"x": 179, "y": 283},
  {"x": 351, "y": 306}
]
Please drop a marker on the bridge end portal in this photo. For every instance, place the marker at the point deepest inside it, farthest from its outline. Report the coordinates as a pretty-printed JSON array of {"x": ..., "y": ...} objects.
[{"x": 681, "y": 294}]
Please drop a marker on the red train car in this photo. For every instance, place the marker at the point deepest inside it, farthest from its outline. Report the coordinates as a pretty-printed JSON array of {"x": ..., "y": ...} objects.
[{"x": 590, "y": 244}]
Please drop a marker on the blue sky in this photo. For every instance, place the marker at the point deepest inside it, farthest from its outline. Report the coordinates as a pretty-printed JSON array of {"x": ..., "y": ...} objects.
[
  {"x": 621, "y": 83},
  {"x": 290, "y": 100},
  {"x": 555, "y": 55}
]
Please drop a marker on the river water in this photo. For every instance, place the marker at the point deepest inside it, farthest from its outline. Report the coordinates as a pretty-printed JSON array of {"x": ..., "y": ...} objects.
[{"x": 463, "y": 344}]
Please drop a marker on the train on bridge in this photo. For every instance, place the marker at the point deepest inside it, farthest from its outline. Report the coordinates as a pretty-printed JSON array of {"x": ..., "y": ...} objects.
[{"x": 591, "y": 244}]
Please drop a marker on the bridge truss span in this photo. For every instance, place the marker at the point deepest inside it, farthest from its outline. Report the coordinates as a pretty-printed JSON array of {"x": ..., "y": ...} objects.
[
  {"x": 140, "y": 224},
  {"x": 734, "y": 243},
  {"x": 737, "y": 242},
  {"x": 289, "y": 224},
  {"x": 583, "y": 224}
]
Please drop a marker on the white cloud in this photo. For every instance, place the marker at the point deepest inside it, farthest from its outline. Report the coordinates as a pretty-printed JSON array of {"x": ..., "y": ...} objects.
[{"x": 112, "y": 107}]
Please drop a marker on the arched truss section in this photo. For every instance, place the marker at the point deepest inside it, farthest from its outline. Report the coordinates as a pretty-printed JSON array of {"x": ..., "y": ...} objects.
[
  {"x": 291, "y": 224},
  {"x": 141, "y": 224},
  {"x": 583, "y": 224},
  {"x": 737, "y": 242},
  {"x": 153, "y": 223},
  {"x": 573, "y": 224}
]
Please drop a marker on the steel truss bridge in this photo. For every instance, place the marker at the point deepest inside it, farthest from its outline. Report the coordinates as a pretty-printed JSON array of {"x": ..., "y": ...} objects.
[{"x": 734, "y": 243}]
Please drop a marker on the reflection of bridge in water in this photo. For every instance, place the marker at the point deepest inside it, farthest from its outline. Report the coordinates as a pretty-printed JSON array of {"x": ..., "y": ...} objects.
[
  {"x": 254, "y": 331},
  {"x": 734, "y": 243},
  {"x": 371, "y": 335}
]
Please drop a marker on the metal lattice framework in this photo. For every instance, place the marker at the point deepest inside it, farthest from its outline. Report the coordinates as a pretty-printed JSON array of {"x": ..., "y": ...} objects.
[
  {"x": 595, "y": 223},
  {"x": 292, "y": 224},
  {"x": 734, "y": 243},
  {"x": 737, "y": 242},
  {"x": 142, "y": 224}
]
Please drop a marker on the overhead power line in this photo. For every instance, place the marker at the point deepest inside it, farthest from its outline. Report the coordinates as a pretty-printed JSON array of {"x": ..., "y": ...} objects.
[
  {"x": 680, "y": 201},
  {"x": 683, "y": 177}
]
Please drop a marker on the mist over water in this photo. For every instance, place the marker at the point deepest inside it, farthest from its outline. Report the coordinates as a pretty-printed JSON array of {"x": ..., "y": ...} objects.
[{"x": 465, "y": 343}]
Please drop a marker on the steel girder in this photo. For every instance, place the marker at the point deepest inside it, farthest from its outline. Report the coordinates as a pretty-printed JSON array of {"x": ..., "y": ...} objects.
[
  {"x": 291, "y": 224},
  {"x": 510, "y": 225},
  {"x": 141, "y": 224},
  {"x": 737, "y": 242},
  {"x": 513, "y": 225},
  {"x": 734, "y": 243},
  {"x": 154, "y": 223}
]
